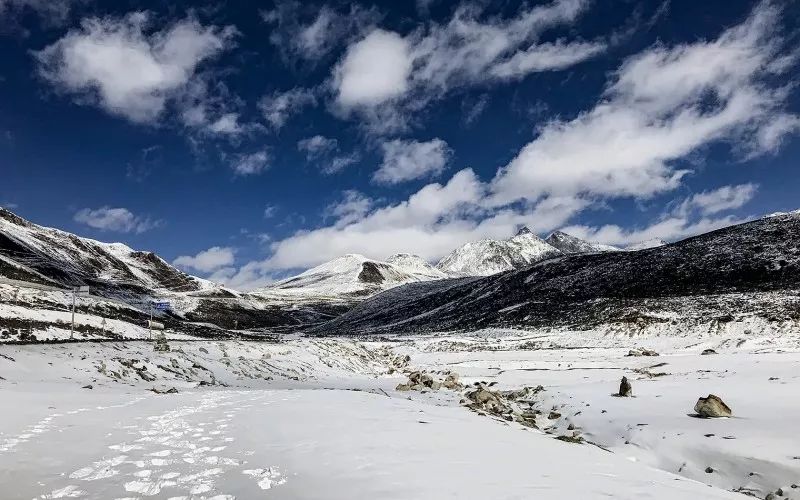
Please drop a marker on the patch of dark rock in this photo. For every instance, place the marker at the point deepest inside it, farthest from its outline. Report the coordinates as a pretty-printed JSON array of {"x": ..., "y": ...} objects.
[{"x": 89, "y": 386}]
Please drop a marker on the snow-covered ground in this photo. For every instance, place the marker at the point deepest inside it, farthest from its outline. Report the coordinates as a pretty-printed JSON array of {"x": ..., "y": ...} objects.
[{"x": 322, "y": 419}]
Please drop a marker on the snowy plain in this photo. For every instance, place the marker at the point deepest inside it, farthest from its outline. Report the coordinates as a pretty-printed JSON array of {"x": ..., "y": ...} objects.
[{"x": 313, "y": 418}]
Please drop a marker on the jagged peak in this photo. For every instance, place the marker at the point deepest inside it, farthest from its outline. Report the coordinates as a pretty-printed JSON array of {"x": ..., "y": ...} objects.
[{"x": 523, "y": 230}]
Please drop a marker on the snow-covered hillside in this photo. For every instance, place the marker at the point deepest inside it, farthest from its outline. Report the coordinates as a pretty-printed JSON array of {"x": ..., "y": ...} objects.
[
  {"x": 352, "y": 277},
  {"x": 729, "y": 275},
  {"x": 487, "y": 257},
  {"x": 569, "y": 244},
  {"x": 644, "y": 245}
]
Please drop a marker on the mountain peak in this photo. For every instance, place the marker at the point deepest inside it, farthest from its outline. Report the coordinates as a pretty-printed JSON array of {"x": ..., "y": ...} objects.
[
  {"x": 523, "y": 230},
  {"x": 569, "y": 244}
]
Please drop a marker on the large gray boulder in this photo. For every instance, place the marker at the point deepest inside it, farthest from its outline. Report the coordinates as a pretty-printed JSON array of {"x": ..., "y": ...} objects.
[{"x": 712, "y": 407}]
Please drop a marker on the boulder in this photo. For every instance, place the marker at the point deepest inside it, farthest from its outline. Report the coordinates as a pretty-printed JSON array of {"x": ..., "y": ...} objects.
[
  {"x": 625, "y": 389},
  {"x": 706, "y": 352},
  {"x": 402, "y": 387},
  {"x": 161, "y": 344},
  {"x": 712, "y": 407}
]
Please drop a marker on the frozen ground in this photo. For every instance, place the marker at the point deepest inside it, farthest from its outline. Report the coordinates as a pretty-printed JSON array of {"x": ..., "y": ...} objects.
[{"x": 321, "y": 419}]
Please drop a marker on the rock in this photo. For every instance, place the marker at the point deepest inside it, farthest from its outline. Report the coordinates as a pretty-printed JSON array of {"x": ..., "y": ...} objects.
[
  {"x": 402, "y": 387},
  {"x": 554, "y": 415},
  {"x": 163, "y": 390},
  {"x": 161, "y": 344},
  {"x": 625, "y": 389},
  {"x": 203, "y": 350},
  {"x": 706, "y": 352},
  {"x": 770, "y": 496},
  {"x": 87, "y": 387},
  {"x": 570, "y": 439},
  {"x": 712, "y": 407},
  {"x": 174, "y": 363},
  {"x": 451, "y": 382},
  {"x": 709, "y": 470},
  {"x": 435, "y": 386},
  {"x": 642, "y": 352}
]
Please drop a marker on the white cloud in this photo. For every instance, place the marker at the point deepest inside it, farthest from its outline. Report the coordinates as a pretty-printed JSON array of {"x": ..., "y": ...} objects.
[
  {"x": 374, "y": 70},
  {"x": 310, "y": 39},
  {"x": 718, "y": 200},
  {"x": 208, "y": 261},
  {"x": 270, "y": 211},
  {"x": 385, "y": 76},
  {"x": 115, "y": 219},
  {"x": 409, "y": 160},
  {"x": 668, "y": 229},
  {"x": 252, "y": 163},
  {"x": 352, "y": 207},
  {"x": 278, "y": 107},
  {"x": 322, "y": 150},
  {"x": 125, "y": 67},
  {"x": 662, "y": 105},
  {"x": 339, "y": 163},
  {"x": 317, "y": 146}
]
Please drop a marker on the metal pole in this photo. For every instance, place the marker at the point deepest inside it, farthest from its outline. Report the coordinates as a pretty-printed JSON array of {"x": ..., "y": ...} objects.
[
  {"x": 150, "y": 325},
  {"x": 72, "y": 325}
]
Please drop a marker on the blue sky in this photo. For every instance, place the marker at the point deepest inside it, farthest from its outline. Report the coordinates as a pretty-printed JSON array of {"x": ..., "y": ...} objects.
[{"x": 246, "y": 142}]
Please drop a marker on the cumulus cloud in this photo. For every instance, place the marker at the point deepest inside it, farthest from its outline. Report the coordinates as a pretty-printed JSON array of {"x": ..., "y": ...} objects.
[
  {"x": 385, "y": 75},
  {"x": 278, "y": 107},
  {"x": 207, "y": 261},
  {"x": 251, "y": 163},
  {"x": 119, "y": 220},
  {"x": 409, "y": 160},
  {"x": 126, "y": 67},
  {"x": 661, "y": 106}
]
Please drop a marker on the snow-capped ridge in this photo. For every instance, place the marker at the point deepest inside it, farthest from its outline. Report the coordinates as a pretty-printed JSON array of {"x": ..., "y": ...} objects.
[
  {"x": 486, "y": 257},
  {"x": 569, "y": 244}
]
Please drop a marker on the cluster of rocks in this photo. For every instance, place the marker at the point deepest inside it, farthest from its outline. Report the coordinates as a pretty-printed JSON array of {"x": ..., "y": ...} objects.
[
  {"x": 161, "y": 344},
  {"x": 513, "y": 406},
  {"x": 422, "y": 381},
  {"x": 641, "y": 352}
]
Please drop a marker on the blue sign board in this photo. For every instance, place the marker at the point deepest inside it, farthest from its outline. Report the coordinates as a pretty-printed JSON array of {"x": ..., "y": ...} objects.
[{"x": 162, "y": 306}]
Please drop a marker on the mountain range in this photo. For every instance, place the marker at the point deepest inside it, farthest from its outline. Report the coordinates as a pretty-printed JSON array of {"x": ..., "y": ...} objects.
[{"x": 520, "y": 282}]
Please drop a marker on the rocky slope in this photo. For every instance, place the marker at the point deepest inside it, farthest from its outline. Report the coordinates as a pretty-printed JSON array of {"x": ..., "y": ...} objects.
[{"x": 741, "y": 271}]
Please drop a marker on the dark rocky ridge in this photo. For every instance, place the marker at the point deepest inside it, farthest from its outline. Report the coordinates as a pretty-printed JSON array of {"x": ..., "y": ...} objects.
[{"x": 750, "y": 268}]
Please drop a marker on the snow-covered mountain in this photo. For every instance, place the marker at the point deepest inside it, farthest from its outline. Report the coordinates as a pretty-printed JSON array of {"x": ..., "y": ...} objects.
[
  {"x": 487, "y": 257},
  {"x": 351, "y": 277},
  {"x": 48, "y": 256},
  {"x": 748, "y": 272},
  {"x": 569, "y": 244},
  {"x": 644, "y": 245},
  {"x": 39, "y": 267}
]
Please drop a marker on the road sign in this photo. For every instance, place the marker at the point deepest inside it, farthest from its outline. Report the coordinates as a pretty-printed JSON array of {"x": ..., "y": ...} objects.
[
  {"x": 82, "y": 290},
  {"x": 162, "y": 306}
]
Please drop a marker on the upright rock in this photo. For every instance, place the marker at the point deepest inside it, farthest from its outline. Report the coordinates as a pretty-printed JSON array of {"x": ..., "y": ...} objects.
[
  {"x": 161, "y": 344},
  {"x": 625, "y": 389}
]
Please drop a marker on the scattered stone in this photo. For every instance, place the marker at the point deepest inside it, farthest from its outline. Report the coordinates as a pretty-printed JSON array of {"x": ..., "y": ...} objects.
[
  {"x": 712, "y": 407},
  {"x": 779, "y": 492},
  {"x": 89, "y": 386},
  {"x": 642, "y": 352},
  {"x": 709, "y": 470},
  {"x": 554, "y": 415},
  {"x": 163, "y": 390},
  {"x": 451, "y": 382},
  {"x": 203, "y": 350},
  {"x": 402, "y": 387},
  {"x": 625, "y": 389},
  {"x": 706, "y": 352},
  {"x": 770, "y": 496},
  {"x": 570, "y": 439}
]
